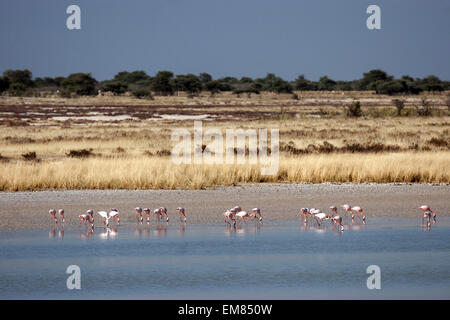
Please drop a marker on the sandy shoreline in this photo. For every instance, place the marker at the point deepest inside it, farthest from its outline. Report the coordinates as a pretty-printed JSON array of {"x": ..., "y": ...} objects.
[{"x": 26, "y": 210}]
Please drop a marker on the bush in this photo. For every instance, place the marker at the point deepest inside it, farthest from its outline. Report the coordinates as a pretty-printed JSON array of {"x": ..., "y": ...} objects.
[
  {"x": 4, "y": 84},
  {"x": 82, "y": 153},
  {"x": 447, "y": 102},
  {"x": 438, "y": 142},
  {"x": 29, "y": 156},
  {"x": 162, "y": 84},
  {"x": 399, "y": 105},
  {"x": 114, "y": 86},
  {"x": 19, "y": 79},
  {"x": 425, "y": 110},
  {"x": 142, "y": 93},
  {"x": 354, "y": 110},
  {"x": 78, "y": 83}
]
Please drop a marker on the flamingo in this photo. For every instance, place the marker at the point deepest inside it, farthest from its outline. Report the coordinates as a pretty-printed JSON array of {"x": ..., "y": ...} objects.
[
  {"x": 61, "y": 213},
  {"x": 304, "y": 212},
  {"x": 139, "y": 217},
  {"x": 230, "y": 216},
  {"x": 359, "y": 210},
  {"x": 347, "y": 208},
  {"x": 108, "y": 215},
  {"x": 242, "y": 215},
  {"x": 181, "y": 211},
  {"x": 320, "y": 216},
  {"x": 115, "y": 213},
  {"x": 158, "y": 213},
  {"x": 255, "y": 212},
  {"x": 427, "y": 212},
  {"x": 147, "y": 212},
  {"x": 52, "y": 213},
  {"x": 87, "y": 217},
  {"x": 338, "y": 220},
  {"x": 164, "y": 211}
]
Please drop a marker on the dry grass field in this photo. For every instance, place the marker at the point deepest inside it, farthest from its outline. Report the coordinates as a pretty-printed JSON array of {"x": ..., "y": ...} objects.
[{"x": 124, "y": 143}]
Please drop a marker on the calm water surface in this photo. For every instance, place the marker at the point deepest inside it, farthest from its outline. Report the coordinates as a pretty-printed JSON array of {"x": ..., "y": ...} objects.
[{"x": 278, "y": 260}]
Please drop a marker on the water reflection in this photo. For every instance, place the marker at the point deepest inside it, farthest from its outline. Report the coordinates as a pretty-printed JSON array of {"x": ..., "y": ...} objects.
[
  {"x": 108, "y": 233},
  {"x": 52, "y": 232}
]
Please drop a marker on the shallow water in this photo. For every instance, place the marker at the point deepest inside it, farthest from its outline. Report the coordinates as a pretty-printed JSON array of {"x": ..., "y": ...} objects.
[{"x": 278, "y": 260}]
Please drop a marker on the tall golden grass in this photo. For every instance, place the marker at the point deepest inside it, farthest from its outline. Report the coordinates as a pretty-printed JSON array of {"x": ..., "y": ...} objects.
[{"x": 161, "y": 173}]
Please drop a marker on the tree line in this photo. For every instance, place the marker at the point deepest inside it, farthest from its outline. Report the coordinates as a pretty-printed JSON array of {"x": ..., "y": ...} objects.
[{"x": 140, "y": 84}]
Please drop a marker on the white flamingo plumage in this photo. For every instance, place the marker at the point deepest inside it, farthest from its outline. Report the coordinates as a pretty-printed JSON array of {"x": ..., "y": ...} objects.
[
  {"x": 427, "y": 214},
  {"x": 107, "y": 215},
  {"x": 242, "y": 215},
  {"x": 256, "y": 212},
  {"x": 358, "y": 211},
  {"x": 230, "y": 216},
  {"x": 181, "y": 212},
  {"x": 52, "y": 213},
  {"x": 139, "y": 217}
]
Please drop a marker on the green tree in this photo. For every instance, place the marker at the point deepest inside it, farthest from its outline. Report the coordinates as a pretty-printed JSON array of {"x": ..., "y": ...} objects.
[
  {"x": 246, "y": 80},
  {"x": 205, "y": 77},
  {"x": 135, "y": 77},
  {"x": 326, "y": 84},
  {"x": 117, "y": 87},
  {"x": 4, "y": 84},
  {"x": 390, "y": 87},
  {"x": 303, "y": 84},
  {"x": 213, "y": 87},
  {"x": 23, "y": 77},
  {"x": 48, "y": 82},
  {"x": 369, "y": 78},
  {"x": 162, "y": 84},
  {"x": 275, "y": 84},
  {"x": 189, "y": 83},
  {"x": 431, "y": 83},
  {"x": 79, "y": 83}
]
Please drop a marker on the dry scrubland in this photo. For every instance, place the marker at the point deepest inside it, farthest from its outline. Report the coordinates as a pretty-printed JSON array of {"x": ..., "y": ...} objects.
[{"x": 122, "y": 142}]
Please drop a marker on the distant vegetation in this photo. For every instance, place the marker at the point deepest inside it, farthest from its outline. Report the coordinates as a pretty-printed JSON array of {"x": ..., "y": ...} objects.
[{"x": 164, "y": 83}]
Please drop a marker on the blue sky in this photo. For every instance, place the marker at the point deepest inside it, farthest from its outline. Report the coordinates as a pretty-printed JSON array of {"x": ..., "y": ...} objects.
[{"x": 227, "y": 38}]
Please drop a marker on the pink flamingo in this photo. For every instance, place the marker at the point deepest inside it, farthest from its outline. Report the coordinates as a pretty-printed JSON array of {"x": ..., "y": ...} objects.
[
  {"x": 113, "y": 214},
  {"x": 256, "y": 212},
  {"x": 52, "y": 213},
  {"x": 336, "y": 218},
  {"x": 358, "y": 211},
  {"x": 230, "y": 216},
  {"x": 139, "y": 217},
  {"x": 320, "y": 217},
  {"x": 427, "y": 213},
  {"x": 181, "y": 211},
  {"x": 147, "y": 212},
  {"x": 61, "y": 214},
  {"x": 158, "y": 213},
  {"x": 347, "y": 208},
  {"x": 164, "y": 211},
  {"x": 242, "y": 215},
  {"x": 87, "y": 217}
]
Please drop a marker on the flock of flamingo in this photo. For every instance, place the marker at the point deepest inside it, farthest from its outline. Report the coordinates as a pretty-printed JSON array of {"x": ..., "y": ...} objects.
[{"x": 236, "y": 215}]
